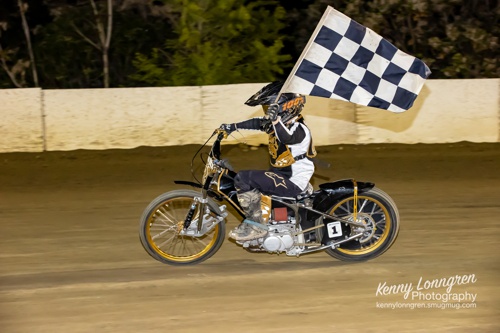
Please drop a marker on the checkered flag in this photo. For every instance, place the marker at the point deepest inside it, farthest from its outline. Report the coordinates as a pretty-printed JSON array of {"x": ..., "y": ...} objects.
[{"x": 347, "y": 61}]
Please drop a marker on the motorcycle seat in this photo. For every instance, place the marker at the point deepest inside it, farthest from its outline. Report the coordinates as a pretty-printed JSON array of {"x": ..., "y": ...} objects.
[{"x": 302, "y": 195}]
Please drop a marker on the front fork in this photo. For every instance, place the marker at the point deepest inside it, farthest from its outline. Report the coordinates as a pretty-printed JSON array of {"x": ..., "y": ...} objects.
[
  {"x": 201, "y": 203},
  {"x": 205, "y": 222}
]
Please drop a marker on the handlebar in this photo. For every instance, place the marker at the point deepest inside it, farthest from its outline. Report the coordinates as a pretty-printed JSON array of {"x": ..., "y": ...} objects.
[{"x": 214, "y": 151}]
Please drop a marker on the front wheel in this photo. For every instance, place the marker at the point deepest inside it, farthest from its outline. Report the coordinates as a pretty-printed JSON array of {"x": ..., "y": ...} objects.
[
  {"x": 164, "y": 237},
  {"x": 378, "y": 212}
]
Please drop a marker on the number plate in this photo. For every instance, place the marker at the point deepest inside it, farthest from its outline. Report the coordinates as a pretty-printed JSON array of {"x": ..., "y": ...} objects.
[{"x": 334, "y": 229}]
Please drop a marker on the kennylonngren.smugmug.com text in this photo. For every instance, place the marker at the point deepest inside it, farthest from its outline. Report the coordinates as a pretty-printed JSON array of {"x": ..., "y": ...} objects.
[{"x": 417, "y": 305}]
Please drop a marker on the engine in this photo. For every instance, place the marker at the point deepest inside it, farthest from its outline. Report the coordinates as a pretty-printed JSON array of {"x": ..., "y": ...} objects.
[{"x": 278, "y": 239}]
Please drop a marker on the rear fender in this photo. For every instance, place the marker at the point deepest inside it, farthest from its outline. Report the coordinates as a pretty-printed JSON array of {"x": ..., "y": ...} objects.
[{"x": 331, "y": 193}]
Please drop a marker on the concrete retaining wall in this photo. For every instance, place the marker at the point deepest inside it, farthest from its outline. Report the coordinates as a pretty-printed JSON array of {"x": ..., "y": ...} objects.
[
  {"x": 37, "y": 120},
  {"x": 21, "y": 120}
]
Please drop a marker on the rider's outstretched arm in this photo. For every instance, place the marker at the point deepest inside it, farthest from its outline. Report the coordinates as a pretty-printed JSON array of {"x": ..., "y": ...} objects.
[
  {"x": 250, "y": 124},
  {"x": 257, "y": 124}
]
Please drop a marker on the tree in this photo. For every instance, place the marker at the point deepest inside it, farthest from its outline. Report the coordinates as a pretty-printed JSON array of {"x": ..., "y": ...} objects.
[
  {"x": 66, "y": 60},
  {"x": 17, "y": 71},
  {"x": 23, "y": 7},
  {"x": 217, "y": 42},
  {"x": 16, "y": 48},
  {"x": 104, "y": 36}
]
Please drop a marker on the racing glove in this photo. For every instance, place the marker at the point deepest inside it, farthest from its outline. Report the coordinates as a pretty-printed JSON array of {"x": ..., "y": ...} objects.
[
  {"x": 272, "y": 112},
  {"x": 228, "y": 128}
]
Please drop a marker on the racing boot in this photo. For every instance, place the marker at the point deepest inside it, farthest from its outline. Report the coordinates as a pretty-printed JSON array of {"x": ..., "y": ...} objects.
[{"x": 251, "y": 227}]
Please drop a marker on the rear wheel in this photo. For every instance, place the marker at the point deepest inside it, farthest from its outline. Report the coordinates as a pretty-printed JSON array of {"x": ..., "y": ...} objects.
[
  {"x": 162, "y": 232},
  {"x": 378, "y": 212}
]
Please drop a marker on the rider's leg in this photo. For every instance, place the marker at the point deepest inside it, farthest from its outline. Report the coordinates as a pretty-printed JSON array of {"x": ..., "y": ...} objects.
[
  {"x": 251, "y": 227},
  {"x": 250, "y": 203},
  {"x": 249, "y": 199}
]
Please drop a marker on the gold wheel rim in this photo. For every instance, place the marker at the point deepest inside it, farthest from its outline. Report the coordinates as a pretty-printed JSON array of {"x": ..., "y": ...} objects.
[
  {"x": 163, "y": 227},
  {"x": 386, "y": 229}
]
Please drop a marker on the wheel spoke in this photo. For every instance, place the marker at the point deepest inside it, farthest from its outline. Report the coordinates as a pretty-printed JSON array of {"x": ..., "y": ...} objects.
[
  {"x": 373, "y": 209},
  {"x": 362, "y": 206},
  {"x": 168, "y": 240},
  {"x": 346, "y": 209},
  {"x": 167, "y": 215},
  {"x": 161, "y": 233},
  {"x": 198, "y": 241}
]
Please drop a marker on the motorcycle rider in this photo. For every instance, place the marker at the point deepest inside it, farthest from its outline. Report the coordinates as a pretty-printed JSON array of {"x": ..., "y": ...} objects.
[{"x": 290, "y": 150}]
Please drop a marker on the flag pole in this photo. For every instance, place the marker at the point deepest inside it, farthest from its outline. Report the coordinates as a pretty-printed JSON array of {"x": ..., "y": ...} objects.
[{"x": 306, "y": 49}]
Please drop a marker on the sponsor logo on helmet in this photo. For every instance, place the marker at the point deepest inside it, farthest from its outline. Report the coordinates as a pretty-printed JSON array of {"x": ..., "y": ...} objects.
[{"x": 293, "y": 103}]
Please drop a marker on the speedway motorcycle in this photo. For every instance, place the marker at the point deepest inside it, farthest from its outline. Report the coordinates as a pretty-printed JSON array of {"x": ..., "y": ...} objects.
[{"x": 348, "y": 219}]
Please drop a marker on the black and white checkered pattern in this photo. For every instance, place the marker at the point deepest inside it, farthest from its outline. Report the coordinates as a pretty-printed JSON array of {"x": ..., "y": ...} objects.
[{"x": 347, "y": 61}]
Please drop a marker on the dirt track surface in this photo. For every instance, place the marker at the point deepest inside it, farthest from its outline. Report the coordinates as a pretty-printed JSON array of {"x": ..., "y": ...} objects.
[{"x": 71, "y": 261}]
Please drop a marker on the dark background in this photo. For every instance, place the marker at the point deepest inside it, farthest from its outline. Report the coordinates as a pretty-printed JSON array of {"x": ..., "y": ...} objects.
[{"x": 455, "y": 38}]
